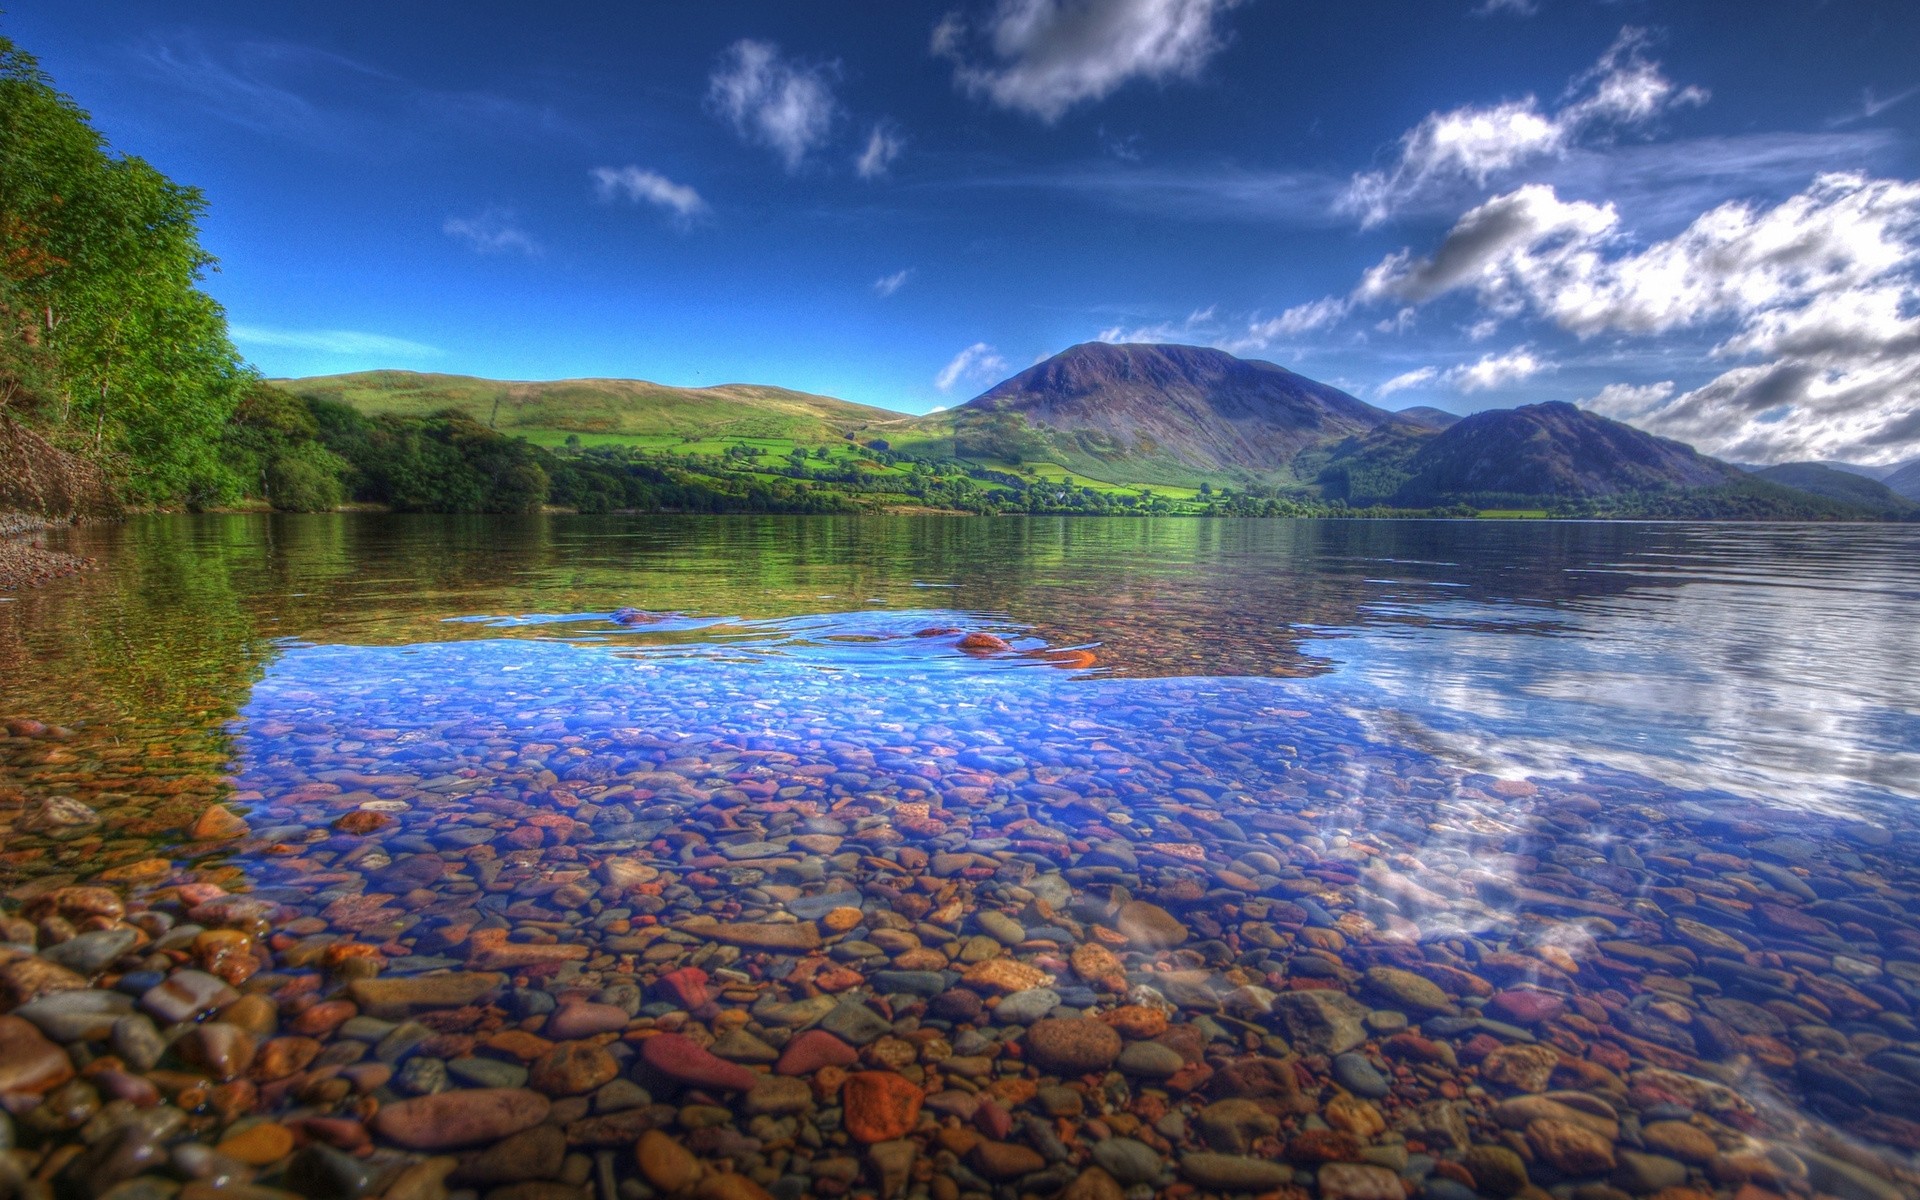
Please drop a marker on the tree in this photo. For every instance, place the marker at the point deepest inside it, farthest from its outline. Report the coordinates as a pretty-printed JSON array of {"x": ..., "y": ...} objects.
[{"x": 102, "y": 255}]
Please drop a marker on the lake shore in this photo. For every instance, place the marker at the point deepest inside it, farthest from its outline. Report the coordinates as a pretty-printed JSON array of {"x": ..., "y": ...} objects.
[{"x": 25, "y": 563}]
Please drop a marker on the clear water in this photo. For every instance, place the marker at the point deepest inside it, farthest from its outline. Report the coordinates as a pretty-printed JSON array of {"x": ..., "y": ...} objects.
[{"x": 1454, "y": 727}]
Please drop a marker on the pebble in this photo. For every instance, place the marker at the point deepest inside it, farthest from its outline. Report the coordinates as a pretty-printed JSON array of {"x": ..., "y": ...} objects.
[
  {"x": 1072, "y": 1046},
  {"x": 685, "y": 1062},
  {"x": 461, "y": 1118},
  {"x": 880, "y": 1106},
  {"x": 1124, "y": 944},
  {"x": 1129, "y": 1161},
  {"x": 665, "y": 1163},
  {"x": 1233, "y": 1172},
  {"x": 1151, "y": 1060},
  {"x": 187, "y": 994},
  {"x": 1359, "y": 1076}
]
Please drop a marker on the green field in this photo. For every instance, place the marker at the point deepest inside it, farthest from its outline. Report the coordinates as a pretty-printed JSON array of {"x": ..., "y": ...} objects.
[
  {"x": 699, "y": 422},
  {"x": 621, "y": 409}
]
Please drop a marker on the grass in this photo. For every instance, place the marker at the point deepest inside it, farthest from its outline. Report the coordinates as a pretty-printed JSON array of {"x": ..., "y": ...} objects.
[
  {"x": 702, "y": 422},
  {"x": 607, "y": 408},
  {"x": 1514, "y": 514}
]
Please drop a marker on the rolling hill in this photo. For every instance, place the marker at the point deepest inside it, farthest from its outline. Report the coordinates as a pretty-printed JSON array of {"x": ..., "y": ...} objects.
[
  {"x": 1905, "y": 481},
  {"x": 1837, "y": 484},
  {"x": 1538, "y": 452},
  {"x": 1149, "y": 414},
  {"x": 1119, "y": 417},
  {"x": 630, "y": 409},
  {"x": 1425, "y": 414}
]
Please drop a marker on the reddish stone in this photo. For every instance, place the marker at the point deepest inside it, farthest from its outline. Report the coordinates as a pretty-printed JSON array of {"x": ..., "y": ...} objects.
[
  {"x": 810, "y": 1051},
  {"x": 325, "y": 1017},
  {"x": 29, "y": 1063},
  {"x": 686, "y": 987},
  {"x": 880, "y": 1106},
  {"x": 1311, "y": 1147},
  {"x": 584, "y": 1018},
  {"x": 1413, "y": 1046},
  {"x": 680, "y": 1059},
  {"x": 1524, "y": 1007},
  {"x": 361, "y": 822}
]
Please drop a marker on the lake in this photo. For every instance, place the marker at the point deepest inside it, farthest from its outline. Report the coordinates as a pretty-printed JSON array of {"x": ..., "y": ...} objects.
[{"x": 1284, "y": 852}]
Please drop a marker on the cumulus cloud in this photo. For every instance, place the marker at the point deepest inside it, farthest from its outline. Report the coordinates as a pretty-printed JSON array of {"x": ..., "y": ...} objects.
[
  {"x": 1493, "y": 246},
  {"x": 773, "y": 101},
  {"x": 883, "y": 146},
  {"x": 493, "y": 231},
  {"x": 1489, "y": 372},
  {"x": 642, "y": 186},
  {"x": 1473, "y": 145},
  {"x": 887, "y": 285},
  {"x": 1043, "y": 57},
  {"x": 1492, "y": 371},
  {"x": 1815, "y": 302},
  {"x": 977, "y": 362}
]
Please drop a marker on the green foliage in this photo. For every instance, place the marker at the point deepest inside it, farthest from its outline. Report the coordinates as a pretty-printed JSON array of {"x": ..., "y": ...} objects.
[
  {"x": 1745, "y": 499},
  {"x": 447, "y": 462},
  {"x": 307, "y": 477},
  {"x": 130, "y": 360}
]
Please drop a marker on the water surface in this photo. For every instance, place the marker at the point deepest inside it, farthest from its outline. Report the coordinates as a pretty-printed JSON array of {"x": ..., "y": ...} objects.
[{"x": 1663, "y": 774}]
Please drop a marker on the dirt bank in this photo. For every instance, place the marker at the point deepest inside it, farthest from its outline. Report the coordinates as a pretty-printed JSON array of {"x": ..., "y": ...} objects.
[{"x": 42, "y": 485}]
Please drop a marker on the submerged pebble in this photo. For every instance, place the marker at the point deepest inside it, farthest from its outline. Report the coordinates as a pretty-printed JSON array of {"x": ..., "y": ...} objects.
[{"x": 553, "y": 923}]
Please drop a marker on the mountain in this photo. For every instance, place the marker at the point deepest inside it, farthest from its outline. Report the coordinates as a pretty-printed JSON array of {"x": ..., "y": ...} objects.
[
  {"x": 1905, "y": 481},
  {"x": 1823, "y": 479},
  {"x": 1151, "y": 413},
  {"x": 1551, "y": 451},
  {"x": 1427, "y": 415},
  {"x": 629, "y": 408}
]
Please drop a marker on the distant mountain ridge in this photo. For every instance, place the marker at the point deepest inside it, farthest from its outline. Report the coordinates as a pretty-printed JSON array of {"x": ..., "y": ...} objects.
[
  {"x": 1184, "y": 416},
  {"x": 1426, "y": 414},
  {"x": 1165, "y": 412},
  {"x": 1837, "y": 483}
]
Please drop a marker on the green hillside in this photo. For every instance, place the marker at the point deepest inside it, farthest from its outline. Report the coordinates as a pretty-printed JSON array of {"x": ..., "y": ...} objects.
[
  {"x": 1822, "y": 480},
  {"x": 630, "y": 411}
]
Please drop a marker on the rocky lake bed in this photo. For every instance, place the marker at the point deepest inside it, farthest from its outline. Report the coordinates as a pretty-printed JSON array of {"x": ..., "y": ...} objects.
[
  {"x": 1304, "y": 862},
  {"x": 539, "y": 920}
]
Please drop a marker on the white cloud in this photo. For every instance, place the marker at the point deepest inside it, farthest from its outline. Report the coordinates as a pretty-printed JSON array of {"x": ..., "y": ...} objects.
[
  {"x": 345, "y": 342},
  {"x": 1315, "y": 314},
  {"x": 887, "y": 285},
  {"x": 1817, "y": 294},
  {"x": 1493, "y": 371},
  {"x": 643, "y": 186},
  {"x": 1493, "y": 246},
  {"x": 1872, "y": 106},
  {"x": 1629, "y": 401},
  {"x": 1043, "y": 57},
  {"x": 883, "y": 146},
  {"x": 1489, "y": 372},
  {"x": 977, "y": 362},
  {"x": 773, "y": 101},
  {"x": 1518, "y": 8},
  {"x": 1472, "y": 145},
  {"x": 493, "y": 231},
  {"x": 1239, "y": 335},
  {"x": 1413, "y": 378}
]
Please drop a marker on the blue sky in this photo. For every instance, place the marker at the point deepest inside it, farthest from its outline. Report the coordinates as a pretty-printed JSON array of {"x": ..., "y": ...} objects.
[{"x": 1702, "y": 218}]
